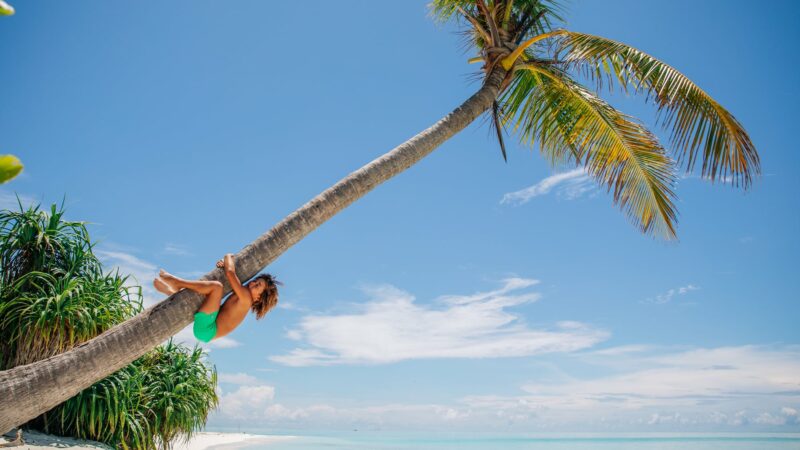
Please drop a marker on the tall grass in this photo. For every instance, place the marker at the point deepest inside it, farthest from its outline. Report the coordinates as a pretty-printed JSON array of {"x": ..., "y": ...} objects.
[{"x": 54, "y": 295}]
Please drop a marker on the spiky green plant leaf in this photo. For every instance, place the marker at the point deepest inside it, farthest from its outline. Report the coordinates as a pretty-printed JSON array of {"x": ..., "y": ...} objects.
[{"x": 54, "y": 295}]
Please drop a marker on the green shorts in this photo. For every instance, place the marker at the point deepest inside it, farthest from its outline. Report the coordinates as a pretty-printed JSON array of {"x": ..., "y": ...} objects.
[{"x": 205, "y": 326}]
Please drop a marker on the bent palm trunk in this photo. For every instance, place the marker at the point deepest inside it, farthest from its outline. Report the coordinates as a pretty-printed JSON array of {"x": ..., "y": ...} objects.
[{"x": 30, "y": 390}]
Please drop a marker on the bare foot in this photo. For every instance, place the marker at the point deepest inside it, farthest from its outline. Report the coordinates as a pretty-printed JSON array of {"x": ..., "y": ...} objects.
[
  {"x": 163, "y": 287},
  {"x": 169, "y": 279}
]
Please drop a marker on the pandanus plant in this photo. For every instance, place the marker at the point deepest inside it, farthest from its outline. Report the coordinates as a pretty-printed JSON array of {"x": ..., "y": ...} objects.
[
  {"x": 529, "y": 71},
  {"x": 54, "y": 295}
]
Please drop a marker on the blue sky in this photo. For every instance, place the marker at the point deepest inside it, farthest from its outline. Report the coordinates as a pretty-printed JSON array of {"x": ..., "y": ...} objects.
[{"x": 465, "y": 293}]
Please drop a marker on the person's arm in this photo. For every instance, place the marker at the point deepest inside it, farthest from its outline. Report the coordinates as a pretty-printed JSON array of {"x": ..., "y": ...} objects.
[{"x": 229, "y": 267}]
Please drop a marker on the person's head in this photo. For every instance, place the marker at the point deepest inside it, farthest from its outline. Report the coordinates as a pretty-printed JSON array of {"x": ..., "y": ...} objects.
[{"x": 264, "y": 290}]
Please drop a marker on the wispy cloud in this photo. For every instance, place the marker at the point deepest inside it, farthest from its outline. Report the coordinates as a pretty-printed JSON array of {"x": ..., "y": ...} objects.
[
  {"x": 621, "y": 350},
  {"x": 186, "y": 336},
  {"x": 291, "y": 306},
  {"x": 569, "y": 185},
  {"x": 724, "y": 386},
  {"x": 667, "y": 297},
  {"x": 639, "y": 388},
  {"x": 141, "y": 272},
  {"x": 8, "y": 200},
  {"x": 240, "y": 379},
  {"x": 392, "y": 327},
  {"x": 175, "y": 250}
]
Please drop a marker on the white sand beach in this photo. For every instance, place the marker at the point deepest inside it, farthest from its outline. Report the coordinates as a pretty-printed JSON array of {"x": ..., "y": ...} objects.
[
  {"x": 200, "y": 441},
  {"x": 227, "y": 441}
]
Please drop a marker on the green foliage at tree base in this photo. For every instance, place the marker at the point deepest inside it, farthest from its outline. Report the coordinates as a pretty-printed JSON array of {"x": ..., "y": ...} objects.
[
  {"x": 54, "y": 295},
  {"x": 159, "y": 399}
]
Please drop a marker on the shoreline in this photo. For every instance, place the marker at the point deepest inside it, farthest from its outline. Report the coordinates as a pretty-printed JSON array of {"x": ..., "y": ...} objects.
[{"x": 204, "y": 440}]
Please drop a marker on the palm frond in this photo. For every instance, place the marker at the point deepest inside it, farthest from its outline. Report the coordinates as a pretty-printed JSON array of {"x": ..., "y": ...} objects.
[
  {"x": 445, "y": 10},
  {"x": 502, "y": 21},
  {"x": 498, "y": 128},
  {"x": 699, "y": 124},
  {"x": 573, "y": 126}
]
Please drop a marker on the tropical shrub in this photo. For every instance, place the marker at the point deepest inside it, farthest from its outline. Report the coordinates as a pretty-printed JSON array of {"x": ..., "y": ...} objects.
[
  {"x": 53, "y": 292},
  {"x": 159, "y": 399},
  {"x": 54, "y": 295}
]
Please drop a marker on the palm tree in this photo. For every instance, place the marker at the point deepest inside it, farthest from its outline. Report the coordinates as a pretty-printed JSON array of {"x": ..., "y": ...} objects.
[{"x": 528, "y": 87}]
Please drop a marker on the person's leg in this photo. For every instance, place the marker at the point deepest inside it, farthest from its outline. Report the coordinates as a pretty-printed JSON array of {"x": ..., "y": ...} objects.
[
  {"x": 211, "y": 289},
  {"x": 205, "y": 319},
  {"x": 163, "y": 287}
]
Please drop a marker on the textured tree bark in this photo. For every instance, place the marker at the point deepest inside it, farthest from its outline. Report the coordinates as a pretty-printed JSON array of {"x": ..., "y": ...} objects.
[{"x": 30, "y": 390}]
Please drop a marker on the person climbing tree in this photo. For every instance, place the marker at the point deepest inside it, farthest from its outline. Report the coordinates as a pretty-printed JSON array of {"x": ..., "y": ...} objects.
[{"x": 213, "y": 320}]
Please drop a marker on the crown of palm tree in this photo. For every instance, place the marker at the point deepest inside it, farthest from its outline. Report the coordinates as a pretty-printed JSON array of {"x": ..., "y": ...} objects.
[{"x": 542, "y": 102}]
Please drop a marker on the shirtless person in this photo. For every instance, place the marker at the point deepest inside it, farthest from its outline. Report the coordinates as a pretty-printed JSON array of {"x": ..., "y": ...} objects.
[{"x": 212, "y": 320}]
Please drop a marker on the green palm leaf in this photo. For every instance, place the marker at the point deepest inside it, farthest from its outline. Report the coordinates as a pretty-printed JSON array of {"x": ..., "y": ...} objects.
[
  {"x": 510, "y": 20},
  {"x": 573, "y": 126},
  {"x": 699, "y": 124}
]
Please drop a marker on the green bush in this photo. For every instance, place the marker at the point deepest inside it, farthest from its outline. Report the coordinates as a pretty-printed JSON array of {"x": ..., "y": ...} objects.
[
  {"x": 162, "y": 397},
  {"x": 54, "y": 295}
]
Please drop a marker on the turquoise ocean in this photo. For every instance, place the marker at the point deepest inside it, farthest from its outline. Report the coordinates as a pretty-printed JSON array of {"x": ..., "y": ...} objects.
[{"x": 661, "y": 441}]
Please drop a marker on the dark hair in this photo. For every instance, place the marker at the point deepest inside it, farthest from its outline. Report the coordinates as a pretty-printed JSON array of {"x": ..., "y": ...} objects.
[{"x": 268, "y": 298}]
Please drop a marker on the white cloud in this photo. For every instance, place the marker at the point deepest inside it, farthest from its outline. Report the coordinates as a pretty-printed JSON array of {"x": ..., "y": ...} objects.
[
  {"x": 249, "y": 400},
  {"x": 186, "y": 336},
  {"x": 292, "y": 306},
  {"x": 175, "y": 249},
  {"x": 621, "y": 350},
  {"x": 667, "y": 297},
  {"x": 766, "y": 418},
  {"x": 142, "y": 273},
  {"x": 8, "y": 200},
  {"x": 392, "y": 327},
  {"x": 570, "y": 185},
  {"x": 685, "y": 377},
  {"x": 265, "y": 411},
  {"x": 640, "y": 388},
  {"x": 280, "y": 412},
  {"x": 246, "y": 401},
  {"x": 241, "y": 379},
  {"x": 790, "y": 415},
  {"x": 734, "y": 386},
  {"x": 224, "y": 342}
]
